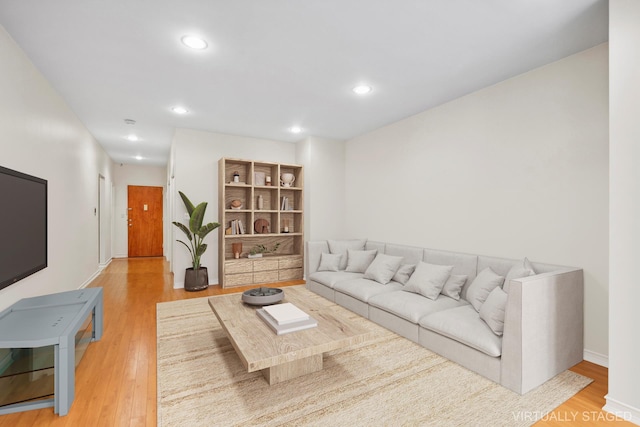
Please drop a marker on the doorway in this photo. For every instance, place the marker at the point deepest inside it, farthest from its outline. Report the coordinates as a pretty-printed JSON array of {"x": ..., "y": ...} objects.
[
  {"x": 103, "y": 222},
  {"x": 144, "y": 221}
]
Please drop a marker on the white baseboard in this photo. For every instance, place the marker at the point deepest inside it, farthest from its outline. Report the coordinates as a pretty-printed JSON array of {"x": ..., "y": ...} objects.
[
  {"x": 178, "y": 285},
  {"x": 90, "y": 279},
  {"x": 597, "y": 358},
  {"x": 622, "y": 410},
  {"x": 103, "y": 266}
]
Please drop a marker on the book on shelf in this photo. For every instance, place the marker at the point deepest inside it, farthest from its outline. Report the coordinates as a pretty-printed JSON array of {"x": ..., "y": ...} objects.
[
  {"x": 285, "y": 204},
  {"x": 288, "y": 327},
  {"x": 237, "y": 227}
]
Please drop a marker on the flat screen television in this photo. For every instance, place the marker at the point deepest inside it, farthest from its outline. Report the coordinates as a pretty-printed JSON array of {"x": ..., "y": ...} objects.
[{"x": 23, "y": 225}]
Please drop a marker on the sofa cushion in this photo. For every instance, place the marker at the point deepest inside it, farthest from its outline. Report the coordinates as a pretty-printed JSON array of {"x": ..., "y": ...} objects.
[
  {"x": 481, "y": 286},
  {"x": 383, "y": 268},
  {"x": 428, "y": 279},
  {"x": 330, "y": 278},
  {"x": 492, "y": 311},
  {"x": 364, "y": 289},
  {"x": 358, "y": 261},
  {"x": 463, "y": 324},
  {"x": 411, "y": 254},
  {"x": 329, "y": 262},
  {"x": 404, "y": 273},
  {"x": 341, "y": 247},
  {"x": 521, "y": 269},
  {"x": 453, "y": 286},
  {"x": 410, "y": 306}
]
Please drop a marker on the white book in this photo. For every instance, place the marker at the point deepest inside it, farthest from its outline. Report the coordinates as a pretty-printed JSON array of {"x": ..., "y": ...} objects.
[
  {"x": 285, "y": 329},
  {"x": 285, "y": 313}
]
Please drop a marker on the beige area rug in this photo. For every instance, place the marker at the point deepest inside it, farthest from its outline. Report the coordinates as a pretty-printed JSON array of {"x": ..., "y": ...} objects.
[{"x": 389, "y": 381}]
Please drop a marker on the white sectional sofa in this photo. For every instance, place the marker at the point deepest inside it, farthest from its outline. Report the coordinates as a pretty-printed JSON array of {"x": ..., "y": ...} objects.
[{"x": 543, "y": 314}]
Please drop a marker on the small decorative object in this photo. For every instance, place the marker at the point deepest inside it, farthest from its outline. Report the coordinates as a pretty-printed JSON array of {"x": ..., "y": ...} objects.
[
  {"x": 236, "y": 176},
  {"x": 259, "y": 250},
  {"x": 261, "y": 226},
  {"x": 285, "y": 225},
  {"x": 236, "y": 204},
  {"x": 196, "y": 277},
  {"x": 267, "y": 180},
  {"x": 262, "y": 296},
  {"x": 260, "y": 201},
  {"x": 236, "y": 248},
  {"x": 287, "y": 179},
  {"x": 259, "y": 178}
]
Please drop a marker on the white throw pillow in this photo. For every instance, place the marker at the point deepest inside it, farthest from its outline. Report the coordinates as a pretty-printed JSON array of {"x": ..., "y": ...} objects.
[
  {"x": 481, "y": 286},
  {"x": 329, "y": 262},
  {"x": 492, "y": 311},
  {"x": 341, "y": 246},
  {"x": 383, "y": 268},
  {"x": 521, "y": 269},
  {"x": 404, "y": 273},
  {"x": 358, "y": 261},
  {"x": 428, "y": 279},
  {"x": 453, "y": 286}
]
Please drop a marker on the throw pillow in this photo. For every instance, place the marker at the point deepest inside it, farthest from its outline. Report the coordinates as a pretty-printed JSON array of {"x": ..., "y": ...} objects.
[
  {"x": 521, "y": 269},
  {"x": 492, "y": 311},
  {"x": 341, "y": 246},
  {"x": 403, "y": 273},
  {"x": 453, "y": 286},
  {"x": 481, "y": 286},
  {"x": 383, "y": 268},
  {"x": 428, "y": 279},
  {"x": 329, "y": 262},
  {"x": 358, "y": 261}
]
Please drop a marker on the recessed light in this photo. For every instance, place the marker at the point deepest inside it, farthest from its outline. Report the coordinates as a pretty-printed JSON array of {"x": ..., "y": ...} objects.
[
  {"x": 194, "y": 42},
  {"x": 138, "y": 157},
  {"x": 132, "y": 137},
  {"x": 362, "y": 89},
  {"x": 295, "y": 129},
  {"x": 179, "y": 110}
]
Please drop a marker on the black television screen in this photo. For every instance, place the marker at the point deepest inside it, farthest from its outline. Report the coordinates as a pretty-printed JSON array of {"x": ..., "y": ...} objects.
[{"x": 23, "y": 225}]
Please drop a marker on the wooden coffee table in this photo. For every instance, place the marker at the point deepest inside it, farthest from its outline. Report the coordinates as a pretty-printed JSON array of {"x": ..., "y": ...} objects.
[{"x": 283, "y": 357}]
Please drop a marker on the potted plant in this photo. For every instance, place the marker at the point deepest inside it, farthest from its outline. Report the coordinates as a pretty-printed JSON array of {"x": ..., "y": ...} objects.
[
  {"x": 196, "y": 278},
  {"x": 258, "y": 250}
]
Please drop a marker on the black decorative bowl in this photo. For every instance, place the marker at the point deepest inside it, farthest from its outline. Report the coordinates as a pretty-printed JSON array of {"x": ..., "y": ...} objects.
[{"x": 262, "y": 296}]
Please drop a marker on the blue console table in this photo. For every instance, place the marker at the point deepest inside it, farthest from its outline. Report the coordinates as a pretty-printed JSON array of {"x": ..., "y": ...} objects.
[{"x": 52, "y": 320}]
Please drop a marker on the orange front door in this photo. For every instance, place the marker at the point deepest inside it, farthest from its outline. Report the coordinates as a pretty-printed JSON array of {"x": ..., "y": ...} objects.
[{"x": 145, "y": 221}]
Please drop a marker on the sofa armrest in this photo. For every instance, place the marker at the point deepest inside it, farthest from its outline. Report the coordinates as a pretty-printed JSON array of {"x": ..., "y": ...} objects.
[
  {"x": 314, "y": 249},
  {"x": 543, "y": 328}
]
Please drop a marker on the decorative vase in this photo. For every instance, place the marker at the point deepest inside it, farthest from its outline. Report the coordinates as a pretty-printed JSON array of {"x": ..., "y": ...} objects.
[
  {"x": 193, "y": 282},
  {"x": 287, "y": 179},
  {"x": 236, "y": 248}
]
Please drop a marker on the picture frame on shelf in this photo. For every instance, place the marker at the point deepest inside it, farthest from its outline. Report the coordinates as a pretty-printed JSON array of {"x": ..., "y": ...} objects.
[{"x": 259, "y": 178}]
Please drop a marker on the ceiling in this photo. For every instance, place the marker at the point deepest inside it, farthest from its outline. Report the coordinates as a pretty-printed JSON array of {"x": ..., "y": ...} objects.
[{"x": 273, "y": 64}]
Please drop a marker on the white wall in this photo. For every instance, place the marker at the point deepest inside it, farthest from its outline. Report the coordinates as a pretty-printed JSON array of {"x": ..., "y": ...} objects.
[
  {"x": 624, "y": 223},
  {"x": 125, "y": 175},
  {"x": 517, "y": 169},
  {"x": 195, "y": 156},
  {"x": 324, "y": 200},
  {"x": 41, "y": 136}
]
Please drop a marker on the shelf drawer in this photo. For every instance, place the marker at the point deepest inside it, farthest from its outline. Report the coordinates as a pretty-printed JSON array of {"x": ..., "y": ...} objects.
[
  {"x": 290, "y": 274},
  {"x": 238, "y": 279},
  {"x": 265, "y": 264},
  {"x": 290, "y": 262},
  {"x": 265, "y": 276},
  {"x": 238, "y": 266}
]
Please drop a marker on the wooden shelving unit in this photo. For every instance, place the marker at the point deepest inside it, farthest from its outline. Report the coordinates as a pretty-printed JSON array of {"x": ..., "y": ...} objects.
[{"x": 269, "y": 226}]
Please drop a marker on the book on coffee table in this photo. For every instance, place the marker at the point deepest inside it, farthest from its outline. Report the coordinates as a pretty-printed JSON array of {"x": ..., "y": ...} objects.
[
  {"x": 285, "y": 313},
  {"x": 286, "y": 328}
]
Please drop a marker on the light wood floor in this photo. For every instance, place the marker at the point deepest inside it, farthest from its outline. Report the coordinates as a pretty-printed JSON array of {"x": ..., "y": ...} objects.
[{"x": 116, "y": 378}]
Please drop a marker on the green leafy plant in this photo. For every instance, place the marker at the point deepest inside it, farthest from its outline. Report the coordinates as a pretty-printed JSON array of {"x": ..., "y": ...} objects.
[
  {"x": 196, "y": 232},
  {"x": 262, "y": 249}
]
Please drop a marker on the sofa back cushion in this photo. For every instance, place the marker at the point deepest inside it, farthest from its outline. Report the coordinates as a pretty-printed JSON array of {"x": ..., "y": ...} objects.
[
  {"x": 379, "y": 246},
  {"x": 341, "y": 247},
  {"x": 410, "y": 254},
  {"x": 463, "y": 264}
]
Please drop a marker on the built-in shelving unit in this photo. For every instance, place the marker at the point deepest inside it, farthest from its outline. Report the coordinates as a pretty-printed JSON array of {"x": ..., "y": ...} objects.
[{"x": 254, "y": 213}]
